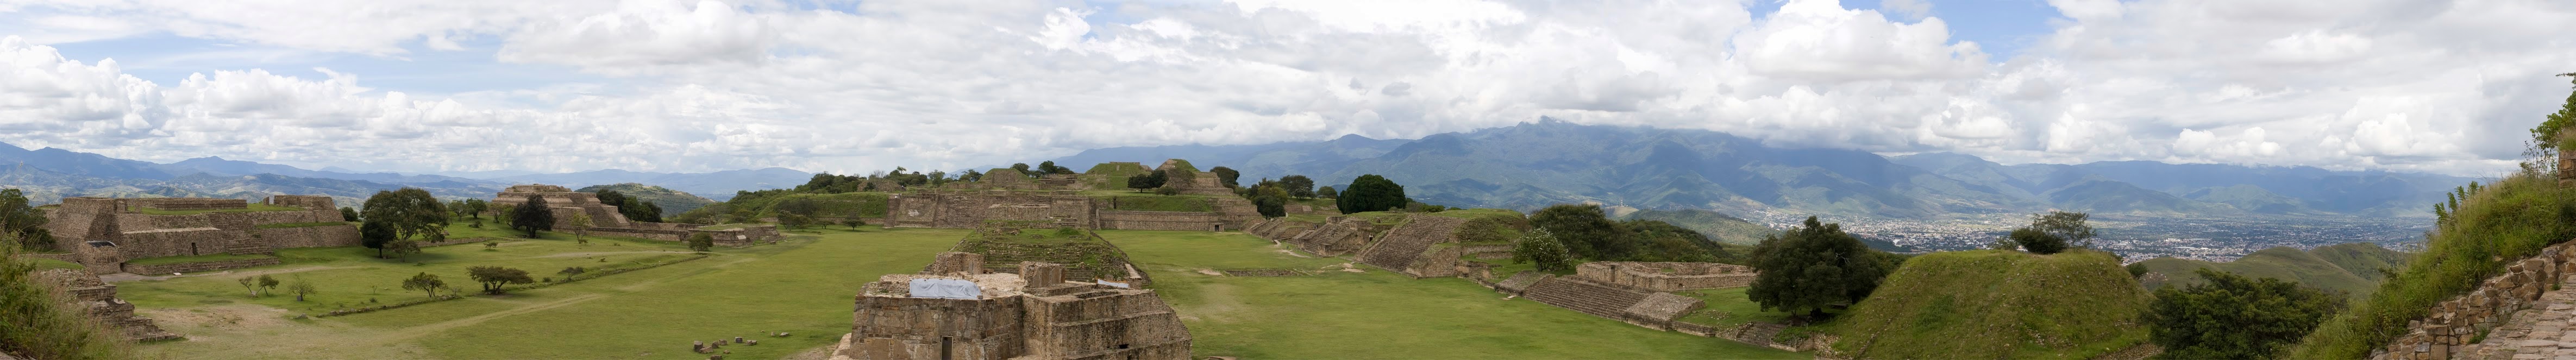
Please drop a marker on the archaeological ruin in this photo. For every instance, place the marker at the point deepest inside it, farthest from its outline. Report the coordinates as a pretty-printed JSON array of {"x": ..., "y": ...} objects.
[
  {"x": 1084, "y": 256},
  {"x": 105, "y": 233},
  {"x": 606, "y": 220},
  {"x": 1666, "y": 276},
  {"x": 958, "y": 309},
  {"x": 101, "y": 304}
]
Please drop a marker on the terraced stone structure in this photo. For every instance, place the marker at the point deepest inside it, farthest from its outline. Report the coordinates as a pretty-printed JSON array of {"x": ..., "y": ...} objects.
[
  {"x": 1336, "y": 236},
  {"x": 104, "y": 233},
  {"x": 99, "y": 298},
  {"x": 1084, "y": 255},
  {"x": 1408, "y": 248},
  {"x": 1667, "y": 276},
  {"x": 606, "y": 220},
  {"x": 967, "y": 209},
  {"x": 1036, "y": 314},
  {"x": 2517, "y": 312}
]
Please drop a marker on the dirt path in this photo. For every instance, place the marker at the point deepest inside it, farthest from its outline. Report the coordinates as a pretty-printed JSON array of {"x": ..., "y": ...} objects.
[{"x": 131, "y": 277}]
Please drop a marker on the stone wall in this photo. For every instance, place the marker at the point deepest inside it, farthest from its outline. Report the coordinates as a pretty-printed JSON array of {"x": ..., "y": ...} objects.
[
  {"x": 199, "y": 266},
  {"x": 184, "y": 204},
  {"x": 966, "y": 210},
  {"x": 740, "y": 237},
  {"x": 310, "y": 236},
  {"x": 1666, "y": 276},
  {"x": 2454, "y": 322},
  {"x": 309, "y": 202},
  {"x": 934, "y": 329},
  {"x": 178, "y": 242},
  {"x": 1338, "y": 236},
  {"x": 1161, "y": 220},
  {"x": 1105, "y": 324}
]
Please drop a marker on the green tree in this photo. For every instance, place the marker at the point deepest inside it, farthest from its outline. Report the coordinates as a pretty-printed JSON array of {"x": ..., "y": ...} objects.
[
  {"x": 1270, "y": 206},
  {"x": 2234, "y": 317},
  {"x": 2053, "y": 232},
  {"x": 1227, "y": 176},
  {"x": 581, "y": 226},
  {"x": 1586, "y": 231},
  {"x": 798, "y": 212},
  {"x": 970, "y": 176},
  {"x": 425, "y": 283},
  {"x": 1049, "y": 168},
  {"x": 268, "y": 284},
  {"x": 1298, "y": 186},
  {"x": 1022, "y": 167},
  {"x": 26, "y": 222},
  {"x": 497, "y": 279},
  {"x": 348, "y": 214},
  {"x": 476, "y": 207},
  {"x": 36, "y": 324},
  {"x": 376, "y": 235},
  {"x": 1541, "y": 247},
  {"x": 410, "y": 211},
  {"x": 250, "y": 284},
  {"x": 2544, "y": 144},
  {"x": 533, "y": 216},
  {"x": 701, "y": 242},
  {"x": 1327, "y": 192},
  {"x": 301, "y": 288},
  {"x": 1371, "y": 193},
  {"x": 1809, "y": 268},
  {"x": 1140, "y": 182}
]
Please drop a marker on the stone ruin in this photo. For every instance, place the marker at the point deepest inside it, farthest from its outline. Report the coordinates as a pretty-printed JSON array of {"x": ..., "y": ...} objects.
[
  {"x": 961, "y": 311},
  {"x": 1082, "y": 256},
  {"x": 99, "y": 300},
  {"x": 104, "y": 233},
  {"x": 606, "y": 220},
  {"x": 966, "y": 209},
  {"x": 1666, "y": 276}
]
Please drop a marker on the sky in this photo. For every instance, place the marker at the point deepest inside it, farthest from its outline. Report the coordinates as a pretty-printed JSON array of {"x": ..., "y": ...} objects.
[{"x": 431, "y": 86}]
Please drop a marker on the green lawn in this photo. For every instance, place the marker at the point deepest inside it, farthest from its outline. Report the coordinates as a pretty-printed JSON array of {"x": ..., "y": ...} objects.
[
  {"x": 43, "y": 264},
  {"x": 1378, "y": 315},
  {"x": 192, "y": 259},
  {"x": 1728, "y": 307}
]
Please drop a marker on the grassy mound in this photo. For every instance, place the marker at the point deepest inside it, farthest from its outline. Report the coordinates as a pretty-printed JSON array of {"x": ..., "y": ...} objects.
[
  {"x": 843, "y": 205},
  {"x": 1112, "y": 176},
  {"x": 2353, "y": 269},
  {"x": 2505, "y": 222},
  {"x": 1991, "y": 304},
  {"x": 1718, "y": 226},
  {"x": 673, "y": 202}
]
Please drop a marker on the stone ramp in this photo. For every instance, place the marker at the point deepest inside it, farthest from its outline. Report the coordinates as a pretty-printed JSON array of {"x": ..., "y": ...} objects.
[
  {"x": 1585, "y": 296},
  {"x": 1404, "y": 244},
  {"x": 2538, "y": 332},
  {"x": 1760, "y": 334}
]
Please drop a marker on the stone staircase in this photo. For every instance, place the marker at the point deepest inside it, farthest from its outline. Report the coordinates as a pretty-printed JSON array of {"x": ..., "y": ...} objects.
[
  {"x": 1584, "y": 296},
  {"x": 1404, "y": 244},
  {"x": 1760, "y": 333}
]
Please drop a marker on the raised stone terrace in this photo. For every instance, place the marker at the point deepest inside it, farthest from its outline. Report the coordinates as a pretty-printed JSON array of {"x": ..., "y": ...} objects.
[
  {"x": 1667, "y": 276},
  {"x": 956, "y": 309},
  {"x": 1406, "y": 243},
  {"x": 103, "y": 305}
]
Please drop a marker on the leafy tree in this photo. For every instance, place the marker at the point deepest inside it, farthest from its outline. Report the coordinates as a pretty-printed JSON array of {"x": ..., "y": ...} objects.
[
  {"x": 1049, "y": 168},
  {"x": 1809, "y": 268},
  {"x": 24, "y": 221},
  {"x": 2052, "y": 232},
  {"x": 348, "y": 214},
  {"x": 1298, "y": 186},
  {"x": 1227, "y": 176},
  {"x": 970, "y": 176},
  {"x": 2544, "y": 144},
  {"x": 301, "y": 288},
  {"x": 1140, "y": 182},
  {"x": 402, "y": 248},
  {"x": 1660, "y": 241},
  {"x": 533, "y": 217},
  {"x": 581, "y": 226},
  {"x": 1270, "y": 206},
  {"x": 250, "y": 284},
  {"x": 410, "y": 211},
  {"x": 1540, "y": 246},
  {"x": 701, "y": 242},
  {"x": 1022, "y": 167},
  {"x": 2234, "y": 317},
  {"x": 476, "y": 207},
  {"x": 797, "y": 212},
  {"x": 425, "y": 283},
  {"x": 375, "y": 235},
  {"x": 1588, "y": 232},
  {"x": 1371, "y": 193},
  {"x": 268, "y": 284},
  {"x": 497, "y": 279},
  {"x": 1327, "y": 192}
]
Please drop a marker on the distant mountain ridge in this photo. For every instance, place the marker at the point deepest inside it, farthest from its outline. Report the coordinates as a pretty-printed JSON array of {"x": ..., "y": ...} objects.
[
  {"x": 48, "y": 175},
  {"x": 1536, "y": 164}
]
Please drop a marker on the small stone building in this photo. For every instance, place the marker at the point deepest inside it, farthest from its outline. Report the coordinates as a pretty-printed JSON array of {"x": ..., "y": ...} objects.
[
  {"x": 1666, "y": 276},
  {"x": 99, "y": 300},
  {"x": 962, "y": 312},
  {"x": 106, "y": 232}
]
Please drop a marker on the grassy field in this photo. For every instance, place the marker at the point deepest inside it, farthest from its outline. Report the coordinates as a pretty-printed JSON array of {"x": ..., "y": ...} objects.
[
  {"x": 1995, "y": 304},
  {"x": 191, "y": 259},
  {"x": 804, "y": 287},
  {"x": 1728, "y": 307},
  {"x": 1377, "y": 314},
  {"x": 43, "y": 264}
]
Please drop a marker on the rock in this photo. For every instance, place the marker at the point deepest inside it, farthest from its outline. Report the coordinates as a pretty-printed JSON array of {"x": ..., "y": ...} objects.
[
  {"x": 737, "y": 339},
  {"x": 715, "y": 357},
  {"x": 755, "y": 342}
]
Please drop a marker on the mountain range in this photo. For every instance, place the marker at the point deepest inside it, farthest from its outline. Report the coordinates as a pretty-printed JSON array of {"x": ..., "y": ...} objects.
[
  {"x": 1547, "y": 162},
  {"x": 47, "y": 175}
]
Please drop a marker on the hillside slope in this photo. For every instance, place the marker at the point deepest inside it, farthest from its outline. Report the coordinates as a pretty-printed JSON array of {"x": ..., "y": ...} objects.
[
  {"x": 1991, "y": 304},
  {"x": 2311, "y": 268},
  {"x": 671, "y": 201},
  {"x": 1718, "y": 226}
]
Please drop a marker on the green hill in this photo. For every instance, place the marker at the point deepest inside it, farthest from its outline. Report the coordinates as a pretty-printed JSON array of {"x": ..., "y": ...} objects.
[
  {"x": 1718, "y": 226},
  {"x": 673, "y": 202},
  {"x": 1991, "y": 304},
  {"x": 2351, "y": 268},
  {"x": 2501, "y": 223}
]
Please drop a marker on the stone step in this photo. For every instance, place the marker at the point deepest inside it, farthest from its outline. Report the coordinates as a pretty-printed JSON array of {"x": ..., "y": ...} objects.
[{"x": 1583, "y": 296}]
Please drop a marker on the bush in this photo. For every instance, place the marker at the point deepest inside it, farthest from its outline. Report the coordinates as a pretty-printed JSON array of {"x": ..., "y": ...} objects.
[
  {"x": 1371, "y": 193},
  {"x": 701, "y": 242},
  {"x": 1270, "y": 206},
  {"x": 38, "y": 323},
  {"x": 2233, "y": 317},
  {"x": 1811, "y": 267},
  {"x": 1492, "y": 228},
  {"x": 1539, "y": 246}
]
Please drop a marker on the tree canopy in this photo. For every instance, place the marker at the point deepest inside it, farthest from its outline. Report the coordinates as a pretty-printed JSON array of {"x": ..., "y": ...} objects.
[
  {"x": 410, "y": 211},
  {"x": 1227, "y": 177},
  {"x": 1539, "y": 246},
  {"x": 1586, "y": 230},
  {"x": 533, "y": 216},
  {"x": 26, "y": 222},
  {"x": 497, "y": 279},
  {"x": 1298, "y": 186},
  {"x": 2234, "y": 317},
  {"x": 1371, "y": 193},
  {"x": 424, "y": 282},
  {"x": 376, "y": 235},
  {"x": 1809, "y": 268},
  {"x": 2053, "y": 232}
]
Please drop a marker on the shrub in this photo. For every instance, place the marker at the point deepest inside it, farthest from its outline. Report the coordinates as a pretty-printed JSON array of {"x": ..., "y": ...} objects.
[
  {"x": 38, "y": 323},
  {"x": 1811, "y": 267},
  {"x": 1489, "y": 228},
  {"x": 701, "y": 242},
  {"x": 1539, "y": 246},
  {"x": 2233, "y": 317},
  {"x": 1371, "y": 193}
]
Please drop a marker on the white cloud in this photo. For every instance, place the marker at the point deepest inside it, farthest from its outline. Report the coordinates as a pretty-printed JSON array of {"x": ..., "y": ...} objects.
[{"x": 929, "y": 84}]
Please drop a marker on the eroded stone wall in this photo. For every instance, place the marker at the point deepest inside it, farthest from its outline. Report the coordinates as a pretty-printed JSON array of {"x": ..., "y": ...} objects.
[
  {"x": 1161, "y": 220},
  {"x": 199, "y": 266},
  {"x": 970, "y": 209},
  {"x": 310, "y": 236},
  {"x": 1667, "y": 276},
  {"x": 2454, "y": 322}
]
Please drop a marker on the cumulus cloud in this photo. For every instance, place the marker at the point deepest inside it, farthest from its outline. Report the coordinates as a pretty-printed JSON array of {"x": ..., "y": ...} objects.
[{"x": 711, "y": 85}]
